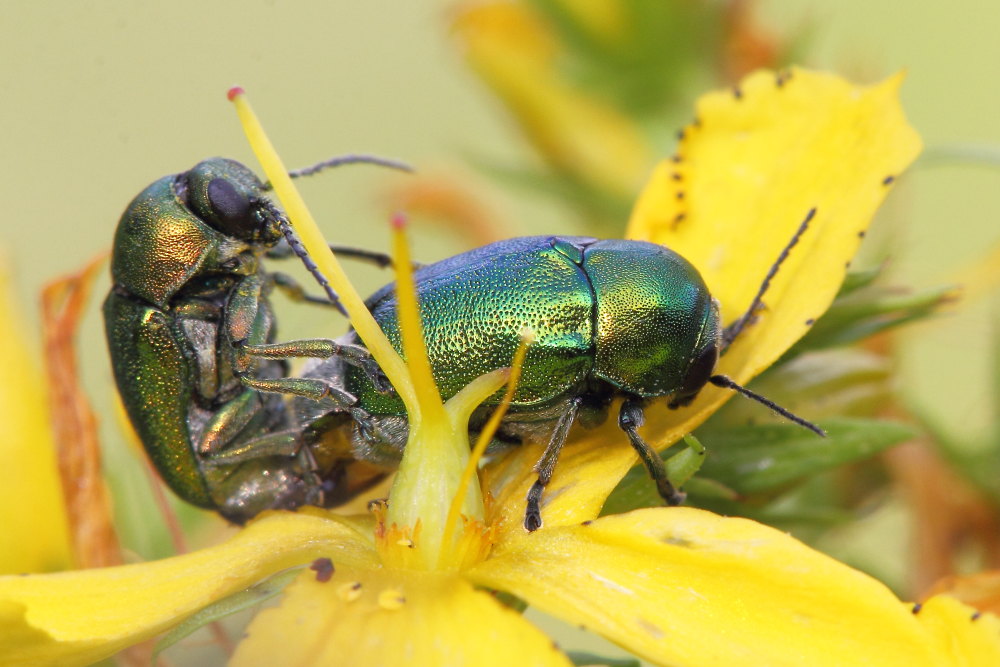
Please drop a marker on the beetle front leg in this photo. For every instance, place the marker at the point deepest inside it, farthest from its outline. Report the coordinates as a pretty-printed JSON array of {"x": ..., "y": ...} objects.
[
  {"x": 546, "y": 464},
  {"x": 322, "y": 348},
  {"x": 630, "y": 418}
]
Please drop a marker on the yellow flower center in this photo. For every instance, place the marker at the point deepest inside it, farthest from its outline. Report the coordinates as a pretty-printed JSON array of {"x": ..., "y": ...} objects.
[{"x": 435, "y": 516}]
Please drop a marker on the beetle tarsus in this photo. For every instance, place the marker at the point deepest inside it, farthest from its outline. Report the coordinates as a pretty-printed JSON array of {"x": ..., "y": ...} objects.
[{"x": 533, "y": 513}]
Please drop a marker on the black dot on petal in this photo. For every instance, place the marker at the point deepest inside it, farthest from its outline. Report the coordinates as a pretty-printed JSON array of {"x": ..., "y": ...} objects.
[
  {"x": 675, "y": 176},
  {"x": 888, "y": 180},
  {"x": 917, "y": 607},
  {"x": 810, "y": 322},
  {"x": 861, "y": 234},
  {"x": 680, "y": 194},
  {"x": 678, "y": 218},
  {"x": 976, "y": 615},
  {"x": 587, "y": 522},
  {"x": 676, "y": 159},
  {"x": 680, "y": 135},
  {"x": 737, "y": 93}
]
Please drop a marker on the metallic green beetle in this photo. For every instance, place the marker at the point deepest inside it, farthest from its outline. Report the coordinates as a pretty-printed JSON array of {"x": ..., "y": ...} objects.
[
  {"x": 190, "y": 329},
  {"x": 612, "y": 319}
]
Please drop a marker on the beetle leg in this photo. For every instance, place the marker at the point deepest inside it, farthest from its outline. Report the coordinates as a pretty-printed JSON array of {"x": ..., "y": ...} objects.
[
  {"x": 313, "y": 388},
  {"x": 630, "y": 418},
  {"x": 283, "y": 443},
  {"x": 546, "y": 464},
  {"x": 324, "y": 348}
]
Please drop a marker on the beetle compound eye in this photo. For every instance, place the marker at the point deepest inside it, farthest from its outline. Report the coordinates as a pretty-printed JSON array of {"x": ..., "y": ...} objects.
[{"x": 231, "y": 208}]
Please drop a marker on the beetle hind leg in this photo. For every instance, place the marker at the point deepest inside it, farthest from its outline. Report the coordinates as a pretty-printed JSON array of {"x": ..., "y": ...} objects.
[{"x": 630, "y": 418}]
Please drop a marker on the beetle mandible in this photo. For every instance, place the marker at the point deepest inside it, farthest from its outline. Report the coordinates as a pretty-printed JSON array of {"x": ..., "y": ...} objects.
[
  {"x": 190, "y": 329},
  {"x": 612, "y": 319}
]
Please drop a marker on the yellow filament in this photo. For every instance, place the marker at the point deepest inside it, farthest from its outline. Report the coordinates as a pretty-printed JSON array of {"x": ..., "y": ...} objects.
[
  {"x": 527, "y": 338},
  {"x": 411, "y": 328},
  {"x": 308, "y": 231}
]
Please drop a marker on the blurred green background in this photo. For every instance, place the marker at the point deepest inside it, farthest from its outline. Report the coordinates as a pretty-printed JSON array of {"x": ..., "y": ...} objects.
[{"x": 99, "y": 99}]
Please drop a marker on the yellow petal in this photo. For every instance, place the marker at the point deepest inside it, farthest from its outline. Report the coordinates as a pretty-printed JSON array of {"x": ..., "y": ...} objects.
[
  {"x": 748, "y": 174},
  {"x": 682, "y": 586},
  {"x": 35, "y": 534},
  {"x": 974, "y": 638},
  {"x": 77, "y": 618},
  {"x": 587, "y": 471},
  {"x": 750, "y": 171},
  {"x": 392, "y": 617}
]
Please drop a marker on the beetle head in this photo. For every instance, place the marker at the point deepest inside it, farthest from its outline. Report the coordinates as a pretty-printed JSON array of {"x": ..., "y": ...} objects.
[
  {"x": 703, "y": 359},
  {"x": 229, "y": 197}
]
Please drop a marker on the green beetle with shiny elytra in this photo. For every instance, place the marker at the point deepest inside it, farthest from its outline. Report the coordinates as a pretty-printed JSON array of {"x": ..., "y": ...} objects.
[
  {"x": 611, "y": 318},
  {"x": 190, "y": 329}
]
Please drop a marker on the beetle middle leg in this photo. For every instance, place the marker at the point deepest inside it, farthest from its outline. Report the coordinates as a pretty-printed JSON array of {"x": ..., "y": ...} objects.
[
  {"x": 322, "y": 348},
  {"x": 547, "y": 463},
  {"x": 630, "y": 418}
]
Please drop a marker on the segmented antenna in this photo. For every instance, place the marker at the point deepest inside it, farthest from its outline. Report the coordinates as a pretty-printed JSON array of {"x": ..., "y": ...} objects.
[
  {"x": 346, "y": 159},
  {"x": 723, "y": 381},
  {"x": 296, "y": 245},
  {"x": 730, "y": 333}
]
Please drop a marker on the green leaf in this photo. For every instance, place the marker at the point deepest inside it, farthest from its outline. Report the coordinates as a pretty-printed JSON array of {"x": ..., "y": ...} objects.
[
  {"x": 840, "y": 382},
  {"x": 769, "y": 458},
  {"x": 862, "y": 313},
  {"x": 855, "y": 280},
  {"x": 637, "y": 490},
  {"x": 648, "y": 61}
]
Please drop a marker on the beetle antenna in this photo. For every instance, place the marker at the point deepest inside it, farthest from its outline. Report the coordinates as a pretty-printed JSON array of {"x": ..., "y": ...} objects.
[
  {"x": 723, "y": 381},
  {"x": 346, "y": 159},
  {"x": 300, "y": 250},
  {"x": 730, "y": 333}
]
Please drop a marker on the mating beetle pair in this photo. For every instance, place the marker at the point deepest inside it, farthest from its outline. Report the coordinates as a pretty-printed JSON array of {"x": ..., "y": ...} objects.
[{"x": 190, "y": 330}]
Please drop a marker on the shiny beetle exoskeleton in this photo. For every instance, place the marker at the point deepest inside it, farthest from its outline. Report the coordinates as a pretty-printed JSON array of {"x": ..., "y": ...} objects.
[
  {"x": 612, "y": 319},
  {"x": 190, "y": 329}
]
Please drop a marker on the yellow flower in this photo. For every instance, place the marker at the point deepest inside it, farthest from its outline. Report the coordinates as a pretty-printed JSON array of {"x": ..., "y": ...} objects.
[
  {"x": 36, "y": 540},
  {"x": 411, "y": 585}
]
